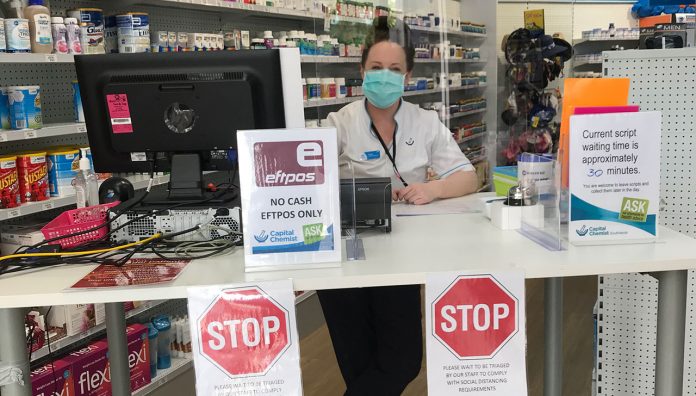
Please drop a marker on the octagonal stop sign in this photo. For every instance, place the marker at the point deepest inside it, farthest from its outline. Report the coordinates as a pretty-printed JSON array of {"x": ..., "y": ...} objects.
[
  {"x": 475, "y": 317},
  {"x": 244, "y": 332}
]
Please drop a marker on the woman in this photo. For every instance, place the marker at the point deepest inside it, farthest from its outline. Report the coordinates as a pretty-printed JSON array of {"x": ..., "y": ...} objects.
[{"x": 376, "y": 332}]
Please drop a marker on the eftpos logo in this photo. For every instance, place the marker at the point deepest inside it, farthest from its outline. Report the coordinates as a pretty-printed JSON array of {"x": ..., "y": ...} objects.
[{"x": 289, "y": 163}]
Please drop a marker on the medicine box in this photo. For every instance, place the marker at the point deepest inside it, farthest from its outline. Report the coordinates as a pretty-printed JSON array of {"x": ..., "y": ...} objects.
[
  {"x": 182, "y": 41},
  {"x": 21, "y": 235},
  {"x": 138, "y": 356},
  {"x": 53, "y": 379},
  {"x": 195, "y": 41},
  {"x": 90, "y": 370},
  {"x": 171, "y": 42},
  {"x": 77, "y": 318}
]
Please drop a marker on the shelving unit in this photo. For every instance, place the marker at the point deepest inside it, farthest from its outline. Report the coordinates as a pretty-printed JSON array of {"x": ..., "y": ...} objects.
[
  {"x": 36, "y": 58},
  {"x": 179, "y": 366},
  {"x": 47, "y": 131},
  {"x": 338, "y": 101},
  {"x": 472, "y": 137},
  {"x": 463, "y": 114},
  {"x": 355, "y": 59}
]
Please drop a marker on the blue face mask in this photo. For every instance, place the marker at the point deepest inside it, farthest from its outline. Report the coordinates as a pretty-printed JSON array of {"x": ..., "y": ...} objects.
[{"x": 383, "y": 87}]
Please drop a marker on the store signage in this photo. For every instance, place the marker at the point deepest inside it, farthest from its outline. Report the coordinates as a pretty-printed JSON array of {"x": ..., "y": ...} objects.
[
  {"x": 245, "y": 340},
  {"x": 534, "y": 22},
  {"x": 475, "y": 330},
  {"x": 614, "y": 177},
  {"x": 290, "y": 203}
]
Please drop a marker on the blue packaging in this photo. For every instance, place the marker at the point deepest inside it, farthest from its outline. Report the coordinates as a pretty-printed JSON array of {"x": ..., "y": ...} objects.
[
  {"x": 163, "y": 325},
  {"x": 77, "y": 103},
  {"x": 25, "y": 107},
  {"x": 4, "y": 110},
  {"x": 63, "y": 166},
  {"x": 152, "y": 337}
]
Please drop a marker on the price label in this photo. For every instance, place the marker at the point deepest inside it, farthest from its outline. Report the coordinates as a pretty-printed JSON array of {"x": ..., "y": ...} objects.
[
  {"x": 51, "y": 58},
  {"x": 82, "y": 128},
  {"x": 48, "y": 205},
  {"x": 3, "y": 137},
  {"x": 30, "y": 134},
  {"x": 327, "y": 23},
  {"x": 13, "y": 213}
]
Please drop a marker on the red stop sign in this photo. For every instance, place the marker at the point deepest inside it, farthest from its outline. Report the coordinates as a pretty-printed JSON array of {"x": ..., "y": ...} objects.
[
  {"x": 244, "y": 332},
  {"x": 474, "y": 317}
]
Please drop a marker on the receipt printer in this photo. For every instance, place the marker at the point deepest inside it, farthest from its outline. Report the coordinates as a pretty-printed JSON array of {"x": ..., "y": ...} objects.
[{"x": 367, "y": 203}]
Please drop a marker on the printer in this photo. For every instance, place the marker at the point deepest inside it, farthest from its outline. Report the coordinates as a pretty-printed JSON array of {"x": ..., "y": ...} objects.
[{"x": 367, "y": 203}]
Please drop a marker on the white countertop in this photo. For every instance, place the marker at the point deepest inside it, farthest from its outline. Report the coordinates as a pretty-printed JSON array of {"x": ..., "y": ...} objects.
[{"x": 416, "y": 246}]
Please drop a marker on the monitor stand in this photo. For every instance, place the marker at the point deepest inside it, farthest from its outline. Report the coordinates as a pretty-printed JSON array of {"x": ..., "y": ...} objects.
[{"x": 186, "y": 186}]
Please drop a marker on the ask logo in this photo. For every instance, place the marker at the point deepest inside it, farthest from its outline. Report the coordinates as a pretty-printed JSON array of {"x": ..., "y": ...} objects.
[
  {"x": 280, "y": 164},
  {"x": 582, "y": 231}
]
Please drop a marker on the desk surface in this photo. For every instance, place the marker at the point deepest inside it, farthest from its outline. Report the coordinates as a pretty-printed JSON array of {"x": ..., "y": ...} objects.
[{"x": 416, "y": 246}]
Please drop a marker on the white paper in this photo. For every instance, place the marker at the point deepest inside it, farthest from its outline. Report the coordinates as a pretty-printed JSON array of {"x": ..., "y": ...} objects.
[
  {"x": 475, "y": 334},
  {"x": 441, "y": 207},
  {"x": 614, "y": 177},
  {"x": 245, "y": 340},
  {"x": 290, "y": 198}
]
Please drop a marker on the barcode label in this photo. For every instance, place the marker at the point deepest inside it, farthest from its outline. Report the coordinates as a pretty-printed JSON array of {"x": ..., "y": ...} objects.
[
  {"x": 30, "y": 134},
  {"x": 13, "y": 213},
  {"x": 51, "y": 58},
  {"x": 138, "y": 157},
  {"x": 121, "y": 121},
  {"x": 48, "y": 206}
]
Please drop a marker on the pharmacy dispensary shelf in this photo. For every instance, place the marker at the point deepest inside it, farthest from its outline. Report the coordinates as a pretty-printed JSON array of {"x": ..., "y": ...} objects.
[
  {"x": 179, "y": 366},
  {"x": 47, "y": 131},
  {"x": 449, "y": 32},
  {"x": 355, "y": 59},
  {"x": 65, "y": 342},
  {"x": 338, "y": 101},
  {"x": 235, "y": 8},
  {"x": 139, "y": 182},
  {"x": 605, "y": 40},
  {"x": 463, "y": 114},
  {"x": 586, "y": 64},
  {"x": 472, "y": 137},
  {"x": 36, "y": 58}
]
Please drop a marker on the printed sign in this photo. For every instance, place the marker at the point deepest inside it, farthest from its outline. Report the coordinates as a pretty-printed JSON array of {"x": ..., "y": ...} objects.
[
  {"x": 614, "y": 177},
  {"x": 119, "y": 113},
  {"x": 475, "y": 330},
  {"x": 245, "y": 339},
  {"x": 534, "y": 22},
  {"x": 290, "y": 203}
]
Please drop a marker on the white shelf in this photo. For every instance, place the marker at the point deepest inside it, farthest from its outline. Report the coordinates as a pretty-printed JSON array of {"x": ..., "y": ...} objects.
[
  {"x": 329, "y": 59},
  {"x": 450, "y": 32},
  {"x": 36, "y": 58},
  {"x": 425, "y": 60},
  {"x": 586, "y": 63},
  {"x": 67, "y": 341},
  {"x": 139, "y": 182},
  {"x": 179, "y": 366},
  {"x": 463, "y": 114},
  {"x": 338, "y": 101},
  {"x": 50, "y": 130},
  {"x": 235, "y": 7},
  {"x": 472, "y": 137},
  {"x": 605, "y": 40}
]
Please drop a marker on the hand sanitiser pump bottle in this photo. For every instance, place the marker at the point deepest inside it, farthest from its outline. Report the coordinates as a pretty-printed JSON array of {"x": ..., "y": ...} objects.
[{"x": 86, "y": 186}]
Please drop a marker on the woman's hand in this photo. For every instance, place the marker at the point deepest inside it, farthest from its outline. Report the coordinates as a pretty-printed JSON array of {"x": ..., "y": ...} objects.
[{"x": 418, "y": 194}]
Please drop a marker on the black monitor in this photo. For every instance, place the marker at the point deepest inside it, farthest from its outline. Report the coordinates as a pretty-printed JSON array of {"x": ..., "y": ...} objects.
[{"x": 180, "y": 112}]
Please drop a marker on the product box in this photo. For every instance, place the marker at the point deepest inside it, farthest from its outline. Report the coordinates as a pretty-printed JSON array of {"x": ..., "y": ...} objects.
[
  {"x": 171, "y": 42},
  {"x": 77, "y": 318},
  {"x": 246, "y": 41},
  {"x": 90, "y": 370},
  {"x": 138, "y": 356},
  {"x": 182, "y": 41},
  {"x": 651, "y": 21},
  {"x": 53, "y": 379},
  {"x": 160, "y": 41},
  {"x": 21, "y": 235},
  {"x": 674, "y": 33},
  {"x": 690, "y": 21},
  {"x": 195, "y": 42},
  {"x": 63, "y": 166},
  {"x": 645, "y": 34}
]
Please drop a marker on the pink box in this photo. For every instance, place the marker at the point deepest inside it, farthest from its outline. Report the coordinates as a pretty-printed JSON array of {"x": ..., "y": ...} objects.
[
  {"x": 53, "y": 380},
  {"x": 90, "y": 369},
  {"x": 138, "y": 356}
]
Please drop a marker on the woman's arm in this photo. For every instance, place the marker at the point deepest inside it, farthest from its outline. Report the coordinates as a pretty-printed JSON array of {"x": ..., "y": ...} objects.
[{"x": 455, "y": 185}]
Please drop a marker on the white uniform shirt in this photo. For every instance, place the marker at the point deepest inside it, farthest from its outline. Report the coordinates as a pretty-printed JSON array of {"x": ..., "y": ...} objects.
[{"x": 422, "y": 142}]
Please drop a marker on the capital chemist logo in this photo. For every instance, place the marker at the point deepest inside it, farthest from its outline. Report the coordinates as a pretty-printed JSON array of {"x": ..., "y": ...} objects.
[
  {"x": 262, "y": 237},
  {"x": 582, "y": 231},
  {"x": 280, "y": 164}
]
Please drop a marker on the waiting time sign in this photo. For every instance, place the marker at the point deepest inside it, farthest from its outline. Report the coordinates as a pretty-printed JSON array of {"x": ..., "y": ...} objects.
[{"x": 290, "y": 198}]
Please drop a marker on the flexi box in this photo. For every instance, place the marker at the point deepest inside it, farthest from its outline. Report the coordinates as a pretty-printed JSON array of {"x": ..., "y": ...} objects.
[
  {"x": 90, "y": 370},
  {"x": 53, "y": 379},
  {"x": 138, "y": 356}
]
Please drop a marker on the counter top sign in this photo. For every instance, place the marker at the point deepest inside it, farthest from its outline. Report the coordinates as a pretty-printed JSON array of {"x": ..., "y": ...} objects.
[
  {"x": 475, "y": 334},
  {"x": 614, "y": 178},
  {"x": 290, "y": 198}
]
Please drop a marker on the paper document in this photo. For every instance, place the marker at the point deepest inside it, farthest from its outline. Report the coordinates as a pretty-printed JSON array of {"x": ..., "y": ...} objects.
[
  {"x": 443, "y": 207},
  {"x": 145, "y": 271}
]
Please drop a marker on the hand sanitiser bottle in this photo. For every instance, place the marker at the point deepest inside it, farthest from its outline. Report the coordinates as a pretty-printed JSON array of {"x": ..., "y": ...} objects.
[{"x": 86, "y": 186}]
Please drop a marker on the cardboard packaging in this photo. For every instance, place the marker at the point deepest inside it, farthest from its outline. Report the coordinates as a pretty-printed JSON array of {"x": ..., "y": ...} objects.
[
  {"x": 138, "y": 356},
  {"x": 53, "y": 379},
  {"x": 78, "y": 318},
  {"x": 90, "y": 369}
]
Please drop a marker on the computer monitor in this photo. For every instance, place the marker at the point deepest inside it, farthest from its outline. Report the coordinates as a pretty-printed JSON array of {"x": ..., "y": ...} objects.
[{"x": 180, "y": 112}]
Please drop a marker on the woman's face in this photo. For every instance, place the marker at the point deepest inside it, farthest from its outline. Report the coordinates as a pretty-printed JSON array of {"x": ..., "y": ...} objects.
[{"x": 386, "y": 55}]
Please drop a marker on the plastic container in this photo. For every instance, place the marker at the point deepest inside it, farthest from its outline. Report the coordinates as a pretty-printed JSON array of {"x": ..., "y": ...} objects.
[
  {"x": 257, "y": 44},
  {"x": 304, "y": 89},
  {"x": 164, "y": 340},
  {"x": 59, "y": 32},
  {"x": 39, "y": 27},
  {"x": 91, "y": 22},
  {"x": 341, "y": 90},
  {"x": 268, "y": 39},
  {"x": 313, "y": 89},
  {"x": 86, "y": 184},
  {"x": 76, "y": 220},
  {"x": 25, "y": 107},
  {"x": 152, "y": 335},
  {"x": 17, "y": 35},
  {"x": 134, "y": 33},
  {"x": 73, "y": 35}
]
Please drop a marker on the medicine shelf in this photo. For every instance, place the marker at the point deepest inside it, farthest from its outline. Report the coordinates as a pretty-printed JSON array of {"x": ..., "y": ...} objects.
[
  {"x": 236, "y": 7},
  {"x": 450, "y": 32},
  {"x": 36, "y": 58},
  {"x": 329, "y": 59},
  {"x": 68, "y": 341},
  {"x": 179, "y": 366},
  {"x": 139, "y": 182},
  {"x": 472, "y": 137},
  {"x": 50, "y": 130},
  {"x": 579, "y": 64},
  {"x": 338, "y": 101},
  {"x": 463, "y": 114},
  {"x": 605, "y": 40}
]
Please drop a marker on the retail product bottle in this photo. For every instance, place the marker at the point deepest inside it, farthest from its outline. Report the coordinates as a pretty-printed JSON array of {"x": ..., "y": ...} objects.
[
  {"x": 39, "y": 27},
  {"x": 86, "y": 186},
  {"x": 74, "y": 36},
  {"x": 60, "y": 38}
]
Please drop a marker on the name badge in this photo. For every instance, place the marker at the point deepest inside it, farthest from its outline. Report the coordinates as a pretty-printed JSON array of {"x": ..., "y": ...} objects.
[{"x": 370, "y": 155}]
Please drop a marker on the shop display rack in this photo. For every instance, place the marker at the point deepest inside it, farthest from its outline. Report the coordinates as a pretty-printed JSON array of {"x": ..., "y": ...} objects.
[
  {"x": 36, "y": 58},
  {"x": 451, "y": 32},
  {"x": 51, "y": 130},
  {"x": 339, "y": 101},
  {"x": 462, "y": 114},
  {"x": 355, "y": 59}
]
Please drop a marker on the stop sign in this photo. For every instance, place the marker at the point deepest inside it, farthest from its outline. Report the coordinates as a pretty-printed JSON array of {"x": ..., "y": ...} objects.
[
  {"x": 474, "y": 317},
  {"x": 244, "y": 332}
]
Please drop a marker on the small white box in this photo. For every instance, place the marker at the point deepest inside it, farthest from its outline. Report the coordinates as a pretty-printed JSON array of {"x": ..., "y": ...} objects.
[
  {"x": 510, "y": 217},
  {"x": 77, "y": 318},
  {"x": 21, "y": 235},
  {"x": 171, "y": 41}
]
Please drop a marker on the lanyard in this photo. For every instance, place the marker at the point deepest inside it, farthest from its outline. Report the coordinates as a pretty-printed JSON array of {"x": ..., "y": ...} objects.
[{"x": 391, "y": 157}]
